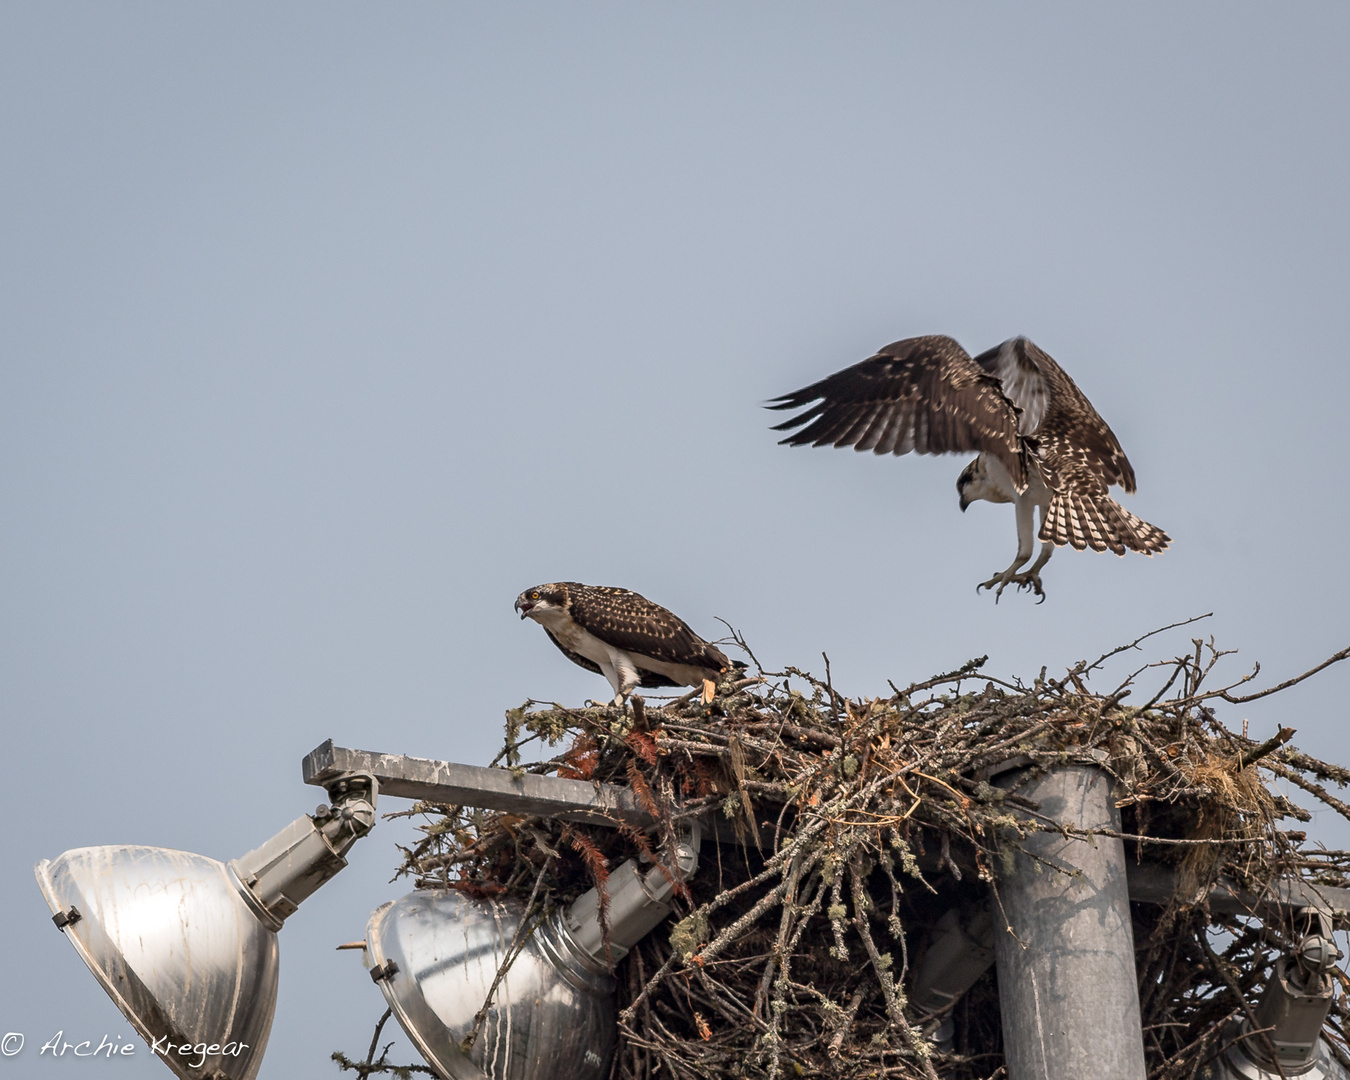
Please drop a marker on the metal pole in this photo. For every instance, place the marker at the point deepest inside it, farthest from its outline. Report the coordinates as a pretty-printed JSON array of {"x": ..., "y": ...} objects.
[{"x": 1067, "y": 983}]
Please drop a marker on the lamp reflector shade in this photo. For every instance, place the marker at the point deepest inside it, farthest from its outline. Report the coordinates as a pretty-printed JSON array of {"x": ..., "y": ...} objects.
[
  {"x": 552, "y": 1016},
  {"x": 172, "y": 940}
]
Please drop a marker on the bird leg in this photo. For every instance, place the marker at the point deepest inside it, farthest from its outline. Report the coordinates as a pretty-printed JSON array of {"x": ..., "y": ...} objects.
[
  {"x": 622, "y": 676},
  {"x": 1031, "y": 577}
]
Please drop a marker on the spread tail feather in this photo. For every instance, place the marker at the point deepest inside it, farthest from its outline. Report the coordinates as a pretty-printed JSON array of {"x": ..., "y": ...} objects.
[{"x": 1100, "y": 523}]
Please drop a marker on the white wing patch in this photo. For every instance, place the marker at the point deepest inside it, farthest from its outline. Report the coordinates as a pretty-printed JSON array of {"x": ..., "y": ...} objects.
[{"x": 1023, "y": 382}]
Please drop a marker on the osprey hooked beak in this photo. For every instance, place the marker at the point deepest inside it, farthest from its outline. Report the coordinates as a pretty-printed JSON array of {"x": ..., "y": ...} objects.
[
  {"x": 530, "y": 599},
  {"x": 964, "y": 481}
]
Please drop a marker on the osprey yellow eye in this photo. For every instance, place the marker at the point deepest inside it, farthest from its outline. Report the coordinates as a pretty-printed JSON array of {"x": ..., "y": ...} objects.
[{"x": 534, "y": 595}]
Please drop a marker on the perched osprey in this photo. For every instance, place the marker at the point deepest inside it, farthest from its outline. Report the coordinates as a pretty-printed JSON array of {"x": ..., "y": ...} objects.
[
  {"x": 622, "y": 636},
  {"x": 1040, "y": 441}
]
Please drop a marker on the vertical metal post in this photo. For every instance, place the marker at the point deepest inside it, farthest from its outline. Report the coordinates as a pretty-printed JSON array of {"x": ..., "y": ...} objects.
[{"x": 1068, "y": 990}]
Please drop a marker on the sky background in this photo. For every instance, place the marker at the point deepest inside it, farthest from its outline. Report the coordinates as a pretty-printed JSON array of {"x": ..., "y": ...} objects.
[{"x": 327, "y": 329}]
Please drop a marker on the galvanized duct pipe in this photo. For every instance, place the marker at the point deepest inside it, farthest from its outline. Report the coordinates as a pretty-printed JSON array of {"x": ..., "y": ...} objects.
[{"x": 1067, "y": 984}]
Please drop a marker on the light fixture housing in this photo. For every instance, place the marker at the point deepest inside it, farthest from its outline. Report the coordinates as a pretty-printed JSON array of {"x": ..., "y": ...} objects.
[
  {"x": 436, "y": 954},
  {"x": 440, "y": 958},
  {"x": 171, "y": 938},
  {"x": 185, "y": 945}
]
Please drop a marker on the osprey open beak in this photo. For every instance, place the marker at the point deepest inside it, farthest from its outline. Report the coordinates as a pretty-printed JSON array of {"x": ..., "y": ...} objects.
[{"x": 523, "y": 606}]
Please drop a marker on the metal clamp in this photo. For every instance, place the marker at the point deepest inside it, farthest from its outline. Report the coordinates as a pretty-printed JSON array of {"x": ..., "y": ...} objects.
[
  {"x": 1299, "y": 993},
  {"x": 276, "y": 877}
]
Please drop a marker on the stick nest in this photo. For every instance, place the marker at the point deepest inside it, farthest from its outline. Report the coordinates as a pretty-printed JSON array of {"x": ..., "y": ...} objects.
[{"x": 793, "y": 955}]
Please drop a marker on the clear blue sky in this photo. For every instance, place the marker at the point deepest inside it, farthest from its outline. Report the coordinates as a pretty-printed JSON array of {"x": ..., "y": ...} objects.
[{"x": 328, "y": 329}]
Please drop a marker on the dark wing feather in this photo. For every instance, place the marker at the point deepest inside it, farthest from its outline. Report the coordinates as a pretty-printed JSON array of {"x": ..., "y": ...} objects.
[
  {"x": 629, "y": 621},
  {"x": 651, "y": 680},
  {"x": 923, "y": 394},
  {"x": 1074, "y": 440}
]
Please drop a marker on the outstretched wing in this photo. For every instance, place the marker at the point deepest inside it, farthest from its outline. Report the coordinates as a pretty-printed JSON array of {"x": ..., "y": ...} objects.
[
  {"x": 629, "y": 621},
  {"x": 923, "y": 394},
  {"x": 1074, "y": 440}
]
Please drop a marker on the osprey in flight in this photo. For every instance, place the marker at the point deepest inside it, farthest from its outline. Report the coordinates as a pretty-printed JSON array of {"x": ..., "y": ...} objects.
[
  {"x": 623, "y": 636},
  {"x": 1039, "y": 440}
]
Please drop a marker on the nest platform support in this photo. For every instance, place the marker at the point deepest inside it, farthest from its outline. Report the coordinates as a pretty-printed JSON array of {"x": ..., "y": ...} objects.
[{"x": 1066, "y": 968}]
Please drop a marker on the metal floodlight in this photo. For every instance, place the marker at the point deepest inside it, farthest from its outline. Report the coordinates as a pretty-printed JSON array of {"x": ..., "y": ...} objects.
[
  {"x": 185, "y": 945},
  {"x": 170, "y": 939},
  {"x": 551, "y": 1014}
]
